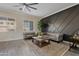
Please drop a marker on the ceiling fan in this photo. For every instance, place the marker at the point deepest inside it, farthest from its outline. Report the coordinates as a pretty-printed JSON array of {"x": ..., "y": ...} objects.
[{"x": 27, "y": 6}]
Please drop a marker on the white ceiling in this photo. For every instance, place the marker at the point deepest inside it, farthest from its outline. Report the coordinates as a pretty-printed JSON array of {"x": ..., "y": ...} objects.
[{"x": 43, "y": 9}]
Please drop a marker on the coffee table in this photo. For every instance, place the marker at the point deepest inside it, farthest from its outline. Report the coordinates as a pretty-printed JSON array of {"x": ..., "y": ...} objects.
[{"x": 41, "y": 41}]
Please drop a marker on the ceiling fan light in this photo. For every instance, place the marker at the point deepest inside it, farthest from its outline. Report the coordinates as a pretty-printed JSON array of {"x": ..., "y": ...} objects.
[{"x": 20, "y": 8}]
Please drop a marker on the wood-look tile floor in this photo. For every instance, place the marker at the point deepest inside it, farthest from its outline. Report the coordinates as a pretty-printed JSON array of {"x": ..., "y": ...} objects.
[
  {"x": 27, "y": 48},
  {"x": 72, "y": 52}
]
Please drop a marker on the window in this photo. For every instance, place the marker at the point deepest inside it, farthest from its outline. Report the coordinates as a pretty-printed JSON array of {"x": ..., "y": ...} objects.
[
  {"x": 28, "y": 26},
  {"x": 31, "y": 25}
]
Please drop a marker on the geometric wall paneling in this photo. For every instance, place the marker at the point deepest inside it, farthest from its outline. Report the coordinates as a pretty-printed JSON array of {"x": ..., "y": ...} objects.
[
  {"x": 71, "y": 19},
  {"x": 66, "y": 21},
  {"x": 7, "y": 24}
]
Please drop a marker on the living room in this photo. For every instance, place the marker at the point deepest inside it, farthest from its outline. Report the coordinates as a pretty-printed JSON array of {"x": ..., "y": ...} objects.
[{"x": 39, "y": 29}]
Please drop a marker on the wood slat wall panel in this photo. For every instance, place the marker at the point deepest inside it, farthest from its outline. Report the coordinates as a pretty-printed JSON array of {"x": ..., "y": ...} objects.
[{"x": 66, "y": 21}]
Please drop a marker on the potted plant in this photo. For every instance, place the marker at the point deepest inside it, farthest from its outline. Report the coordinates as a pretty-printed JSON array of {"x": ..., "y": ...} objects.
[{"x": 41, "y": 27}]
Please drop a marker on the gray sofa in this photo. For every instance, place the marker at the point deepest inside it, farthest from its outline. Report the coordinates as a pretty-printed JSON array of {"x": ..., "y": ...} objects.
[
  {"x": 28, "y": 35},
  {"x": 55, "y": 36}
]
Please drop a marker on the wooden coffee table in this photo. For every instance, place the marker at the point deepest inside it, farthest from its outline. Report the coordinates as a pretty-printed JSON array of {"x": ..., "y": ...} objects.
[{"x": 41, "y": 41}]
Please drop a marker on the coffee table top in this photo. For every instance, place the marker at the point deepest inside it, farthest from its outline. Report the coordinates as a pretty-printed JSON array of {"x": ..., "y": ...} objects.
[
  {"x": 38, "y": 38},
  {"x": 41, "y": 38}
]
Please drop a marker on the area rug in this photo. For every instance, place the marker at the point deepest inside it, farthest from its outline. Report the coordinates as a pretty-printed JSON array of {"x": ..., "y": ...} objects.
[
  {"x": 54, "y": 49},
  {"x": 27, "y": 48}
]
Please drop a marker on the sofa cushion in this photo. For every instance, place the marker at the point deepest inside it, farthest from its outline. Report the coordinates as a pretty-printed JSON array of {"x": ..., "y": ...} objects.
[{"x": 55, "y": 36}]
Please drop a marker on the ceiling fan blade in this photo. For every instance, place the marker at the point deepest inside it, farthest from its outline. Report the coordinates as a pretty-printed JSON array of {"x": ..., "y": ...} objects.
[
  {"x": 31, "y": 7},
  {"x": 28, "y": 9},
  {"x": 32, "y": 3},
  {"x": 24, "y": 8}
]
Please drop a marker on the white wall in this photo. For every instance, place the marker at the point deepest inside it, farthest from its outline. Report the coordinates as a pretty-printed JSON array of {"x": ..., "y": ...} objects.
[{"x": 19, "y": 17}]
